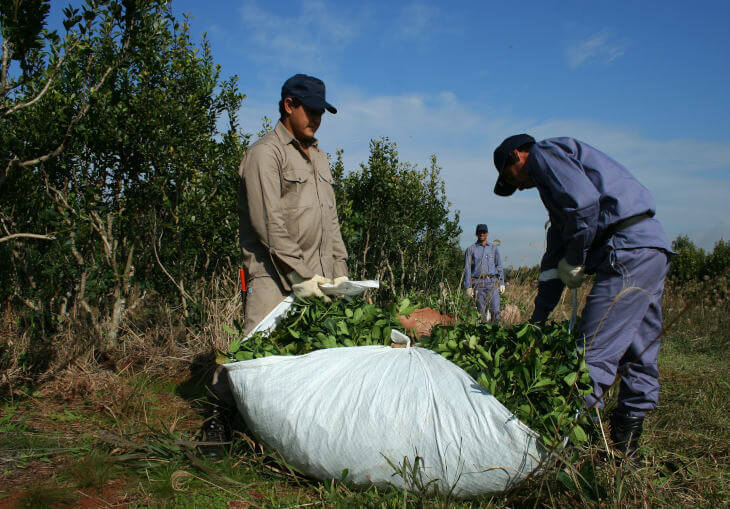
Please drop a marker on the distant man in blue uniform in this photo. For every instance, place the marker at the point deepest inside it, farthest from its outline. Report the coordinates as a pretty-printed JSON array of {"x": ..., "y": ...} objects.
[
  {"x": 601, "y": 222},
  {"x": 483, "y": 274}
]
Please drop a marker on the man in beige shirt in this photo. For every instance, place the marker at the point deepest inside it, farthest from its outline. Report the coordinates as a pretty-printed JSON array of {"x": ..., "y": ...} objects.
[{"x": 289, "y": 231}]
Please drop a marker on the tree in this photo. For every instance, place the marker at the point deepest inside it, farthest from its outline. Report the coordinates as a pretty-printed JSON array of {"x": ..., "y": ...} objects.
[
  {"x": 718, "y": 261},
  {"x": 397, "y": 223},
  {"x": 115, "y": 152},
  {"x": 689, "y": 261}
]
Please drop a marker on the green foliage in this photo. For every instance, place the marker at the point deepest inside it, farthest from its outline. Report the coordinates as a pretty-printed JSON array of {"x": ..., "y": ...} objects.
[
  {"x": 21, "y": 26},
  {"x": 313, "y": 324},
  {"x": 119, "y": 142},
  {"x": 689, "y": 261},
  {"x": 692, "y": 263},
  {"x": 718, "y": 261},
  {"x": 397, "y": 223},
  {"x": 533, "y": 371}
]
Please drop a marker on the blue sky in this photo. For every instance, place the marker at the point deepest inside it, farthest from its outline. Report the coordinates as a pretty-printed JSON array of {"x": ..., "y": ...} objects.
[{"x": 646, "y": 82}]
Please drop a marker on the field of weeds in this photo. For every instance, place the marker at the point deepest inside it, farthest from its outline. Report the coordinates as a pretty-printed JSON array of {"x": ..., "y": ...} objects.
[{"x": 119, "y": 429}]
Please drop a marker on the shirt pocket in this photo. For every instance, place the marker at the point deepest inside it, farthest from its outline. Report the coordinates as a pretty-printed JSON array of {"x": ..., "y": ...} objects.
[
  {"x": 325, "y": 182},
  {"x": 296, "y": 189}
]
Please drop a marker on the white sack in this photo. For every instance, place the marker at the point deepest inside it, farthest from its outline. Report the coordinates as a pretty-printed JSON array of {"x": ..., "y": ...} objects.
[{"x": 351, "y": 408}]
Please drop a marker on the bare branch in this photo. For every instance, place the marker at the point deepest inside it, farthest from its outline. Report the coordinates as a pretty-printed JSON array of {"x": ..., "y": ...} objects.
[
  {"x": 32, "y": 305},
  {"x": 98, "y": 224},
  {"x": 27, "y": 236},
  {"x": 177, "y": 285},
  {"x": 4, "y": 69},
  {"x": 45, "y": 87}
]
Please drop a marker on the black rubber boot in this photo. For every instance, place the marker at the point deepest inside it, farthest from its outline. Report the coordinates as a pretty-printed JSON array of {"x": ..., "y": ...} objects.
[
  {"x": 215, "y": 432},
  {"x": 625, "y": 433}
]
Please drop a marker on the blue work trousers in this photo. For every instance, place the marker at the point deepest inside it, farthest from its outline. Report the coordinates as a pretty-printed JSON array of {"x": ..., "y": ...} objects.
[
  {"x": 621, "y": 325},
  {"x": 486, "y": 292}
]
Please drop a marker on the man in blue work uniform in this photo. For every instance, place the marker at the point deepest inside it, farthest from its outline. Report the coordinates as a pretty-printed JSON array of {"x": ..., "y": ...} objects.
[
  {"x": 601, "y": 222},
  {"x": 483, "y": 274}
]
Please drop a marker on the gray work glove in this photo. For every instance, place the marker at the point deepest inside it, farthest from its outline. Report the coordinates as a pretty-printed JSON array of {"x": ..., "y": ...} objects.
[
  {"x": 502, "y": 288},
  {"x": 308, "y": 287},
  {"x": 571, "y": 275},
  {"x": 547, "y": 275},
  {"x": 470, "y": 292}
]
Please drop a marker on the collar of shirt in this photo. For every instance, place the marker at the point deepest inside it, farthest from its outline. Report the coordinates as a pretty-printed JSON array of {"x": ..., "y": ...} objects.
[
  {"x": 287, "y": 138},
  {"x": 485, "y": 245}
]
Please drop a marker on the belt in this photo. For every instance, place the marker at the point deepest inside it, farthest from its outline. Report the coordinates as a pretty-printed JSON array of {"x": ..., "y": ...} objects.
[
  {"x": 621, "y": 225},
  {"x": 493, "y": 276}
]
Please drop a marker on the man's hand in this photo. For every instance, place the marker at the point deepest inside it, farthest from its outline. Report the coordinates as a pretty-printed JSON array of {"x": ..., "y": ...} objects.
[
  {"x": 340, "y": 279},
  {"x": 502, "y": 288},
  {"x": 571, "y": 275},
  {"x": 470, "y": 292},
  {"x": 308, "y": 287}
]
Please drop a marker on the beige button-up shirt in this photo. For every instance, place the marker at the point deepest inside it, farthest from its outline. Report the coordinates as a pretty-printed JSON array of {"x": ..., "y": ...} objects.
[{"x": 287, "y": 211}]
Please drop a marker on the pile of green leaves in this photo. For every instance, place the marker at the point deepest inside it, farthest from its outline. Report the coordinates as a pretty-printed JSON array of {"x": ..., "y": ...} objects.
[
  {"x": 533, "y": 371},
  {"x": 313, "y": 324}
]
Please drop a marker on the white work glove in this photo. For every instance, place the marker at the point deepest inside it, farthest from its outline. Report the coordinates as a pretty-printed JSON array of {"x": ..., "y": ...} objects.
[
  {"x": 501, "y": 288},
  {"x": 308, "y": 287},
  {"x": 571, "y": 275},
  {"x": 470, "y": 292},
  {"x": 340, "y": 279}
]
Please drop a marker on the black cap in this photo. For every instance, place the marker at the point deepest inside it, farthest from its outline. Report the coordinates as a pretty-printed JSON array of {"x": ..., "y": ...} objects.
[
  {"x": 309, "y": 90},
  {"x": 482, "y": 228},
  {"x": 502, "y": 188}
]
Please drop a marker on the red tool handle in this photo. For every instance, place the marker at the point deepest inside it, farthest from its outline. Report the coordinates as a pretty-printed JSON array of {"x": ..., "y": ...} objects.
[{"x": 242, "y": 275}]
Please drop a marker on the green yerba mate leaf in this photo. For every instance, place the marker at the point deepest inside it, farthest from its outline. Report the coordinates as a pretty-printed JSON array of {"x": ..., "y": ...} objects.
[
  {"x": 571, "y": 378},
  {"x": 577, "y": 435},
  {"x": 234, "y": 346},
  {"x": 523, "y": 330},
  {"x": 228, "y": 330}
]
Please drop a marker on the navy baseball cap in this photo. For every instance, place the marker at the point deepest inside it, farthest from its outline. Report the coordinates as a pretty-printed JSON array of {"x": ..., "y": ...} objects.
[
  {"x": 501, "y": 153},
  {"x": 482, "y": 228},
  {"x": 309, "y": 90}
]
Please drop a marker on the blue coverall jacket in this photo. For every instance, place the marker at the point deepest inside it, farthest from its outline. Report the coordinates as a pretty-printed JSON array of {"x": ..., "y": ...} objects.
[{"x": 589, "y": 198}]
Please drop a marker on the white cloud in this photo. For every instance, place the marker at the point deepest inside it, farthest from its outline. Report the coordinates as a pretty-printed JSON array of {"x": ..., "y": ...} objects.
[
  {"x": 603, "y": 47},
  {"x": 303, "y": 40}
]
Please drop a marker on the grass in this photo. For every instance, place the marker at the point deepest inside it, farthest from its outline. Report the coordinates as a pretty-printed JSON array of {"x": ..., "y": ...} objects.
[{"x": 125, "y": 436}]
